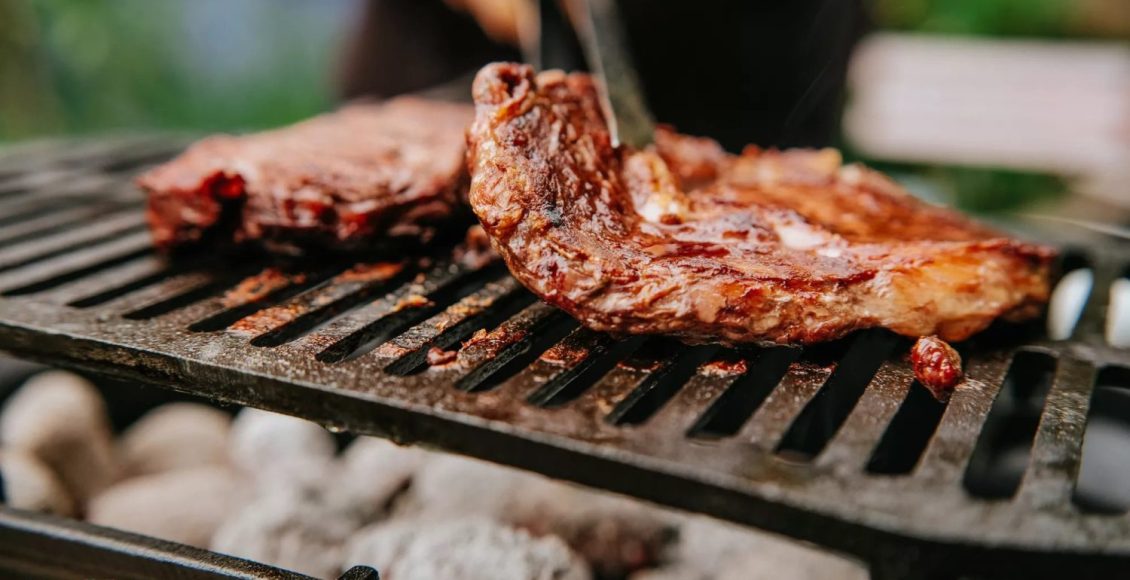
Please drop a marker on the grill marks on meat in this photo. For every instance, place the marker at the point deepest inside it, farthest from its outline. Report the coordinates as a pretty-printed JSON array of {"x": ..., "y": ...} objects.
[
  {"x": 344, "y": 180},
  {"x": 687, "y": 240}
]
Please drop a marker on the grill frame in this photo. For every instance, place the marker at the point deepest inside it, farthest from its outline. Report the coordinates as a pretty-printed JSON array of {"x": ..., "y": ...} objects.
[
  {"x": 33, "y": 545},
  {"x": 921, "y": 524}
]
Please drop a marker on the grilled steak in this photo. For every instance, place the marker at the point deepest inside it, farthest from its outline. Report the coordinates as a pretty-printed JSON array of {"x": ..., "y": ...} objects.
[
  {"x": 345, "y": 180},
  {"x": 687, "y": 240}
]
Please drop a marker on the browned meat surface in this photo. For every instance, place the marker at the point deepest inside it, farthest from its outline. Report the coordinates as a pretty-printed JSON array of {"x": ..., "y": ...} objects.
[
  {"x": 936, "y": 365},
  {"x": 344, "y": 180},
  {"x": 687, "y": 240}
]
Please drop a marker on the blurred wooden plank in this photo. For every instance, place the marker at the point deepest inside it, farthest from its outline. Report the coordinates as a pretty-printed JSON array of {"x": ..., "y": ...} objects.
[{"x": 1055, "y": 107}]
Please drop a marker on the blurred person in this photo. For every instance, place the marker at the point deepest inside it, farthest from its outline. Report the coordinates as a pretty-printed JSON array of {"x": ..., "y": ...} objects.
[{"x": 740, "y": 71}]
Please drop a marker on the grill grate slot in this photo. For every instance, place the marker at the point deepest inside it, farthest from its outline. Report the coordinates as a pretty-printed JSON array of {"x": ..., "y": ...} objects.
[
  {"x": 524, "y": 339},
  {"x": 746, "y": 394},
  {"x": 481, "y": 310},
  {"x": 947, "y": 455},
  {"x": 677, "y": 419},
  {"x": 908, "y": 432},
  {"x": 99, "y": 155},
  {"x": 363, "y": 330},
  {"x": 254, "y": 294},
  {"x": 778, "y": 412},
  {"x": 660, "y": 385},
  {"x": 1057, "y": 447},
  {"x": 596, "y": 405},
  {"x": 104, "y": 231},
  {"x": 1101, "y": 486},
  {"x": 107, "y": 285},
  {"x": 68, "y": 267},
  {"x": 54, "y": 222},
  {"x": 281, "y": 323},
  {"x": 855, "y": 442},
  {"x": 21, "y": 183},
  {"x": 188, "y": 296},
  {"x": 84, "y": 190},
  {"x": 14, "y": 216},
  {"x": 175, "y": 293},
  {"x": 137, "y": 161},
  {"x": 827, "y": 411},
  {"x": 1004, "y": 447},
  {"x": 568, "y": 381}
]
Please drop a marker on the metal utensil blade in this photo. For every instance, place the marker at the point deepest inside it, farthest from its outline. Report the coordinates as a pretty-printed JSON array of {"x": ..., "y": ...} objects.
[{"x": 602, "y": 39}]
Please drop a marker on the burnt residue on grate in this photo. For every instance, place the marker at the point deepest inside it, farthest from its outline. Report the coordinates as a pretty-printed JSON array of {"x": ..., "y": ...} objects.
[{"x": 834, "y": 444}]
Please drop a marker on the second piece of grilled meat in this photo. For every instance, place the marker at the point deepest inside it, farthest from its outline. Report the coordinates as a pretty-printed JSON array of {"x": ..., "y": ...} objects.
[
  {"x": 684, "y": 239},
  {"x": 345, "y": 180}
]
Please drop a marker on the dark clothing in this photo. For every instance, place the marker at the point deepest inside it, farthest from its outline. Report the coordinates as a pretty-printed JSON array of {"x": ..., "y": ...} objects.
[
  {"x": 403, "y": 46},
  {"x": 745, "y": 71}
]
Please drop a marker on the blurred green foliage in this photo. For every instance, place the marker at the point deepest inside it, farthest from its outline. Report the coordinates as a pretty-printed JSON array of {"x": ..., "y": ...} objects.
[
  {"x": 76, "y": 66},
  {"x": 974, "y": 189},
  {"x": 998, "y": 190},
  {"x": 1040, "y": 18},
  {"x": 994, "y": 190}
]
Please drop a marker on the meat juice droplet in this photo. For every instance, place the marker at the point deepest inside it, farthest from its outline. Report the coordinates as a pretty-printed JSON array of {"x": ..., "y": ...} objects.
[{"x": 937, "y": 366}]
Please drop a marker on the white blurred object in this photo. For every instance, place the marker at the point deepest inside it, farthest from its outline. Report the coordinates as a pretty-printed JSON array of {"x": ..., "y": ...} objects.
[
  {"x": 302, "y": 524},
  {"x": 371, "y": 472},
  {"x": 290, "y": 527},
  {"x": 175, "y": 436},
  {"x": 183, "y": 506},
  {"x": 470, "y": 549},
  {"x": 614, "y": 534},
  {"x": 789, "y": 561},
  {"x": 27, "y": 484},
  {"x": 1056, "y": 107},
  {"x": 1118, "y": 314},
  {"x": 60, "y": 418},
  {"x": 1067, "y": 301},
  {"x": 277, "y": 449},
  {"x": 709, "y": 549}
]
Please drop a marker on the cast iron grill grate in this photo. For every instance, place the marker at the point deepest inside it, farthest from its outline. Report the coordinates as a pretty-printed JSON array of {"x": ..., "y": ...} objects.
[{"x": 836, "y": 445}]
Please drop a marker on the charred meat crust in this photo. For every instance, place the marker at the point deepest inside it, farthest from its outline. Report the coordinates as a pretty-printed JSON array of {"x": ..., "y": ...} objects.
[{"x": 687, "y": 240}]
